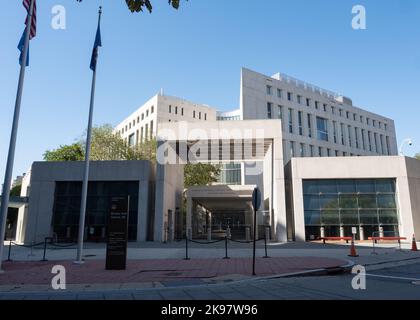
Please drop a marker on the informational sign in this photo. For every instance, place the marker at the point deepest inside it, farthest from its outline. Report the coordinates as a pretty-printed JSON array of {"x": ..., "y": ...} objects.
[
  {"x": 354, "y": 230},
  {"x": 116, "y": 250}
]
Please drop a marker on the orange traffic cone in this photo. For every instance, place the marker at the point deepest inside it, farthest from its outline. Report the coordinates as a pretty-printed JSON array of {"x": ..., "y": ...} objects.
[
  {"x": 353, "y": 252},
  {"x": 414, "y": 245}
]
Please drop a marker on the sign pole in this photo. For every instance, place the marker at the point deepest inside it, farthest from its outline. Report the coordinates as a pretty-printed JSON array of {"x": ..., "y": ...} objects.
[{"x": 256, "y": 203}]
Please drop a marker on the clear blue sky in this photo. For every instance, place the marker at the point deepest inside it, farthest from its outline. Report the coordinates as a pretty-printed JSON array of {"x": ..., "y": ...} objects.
[{"x": 196, "y": 53}]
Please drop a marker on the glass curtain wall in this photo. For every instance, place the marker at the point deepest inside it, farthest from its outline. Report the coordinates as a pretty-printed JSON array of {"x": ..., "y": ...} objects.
[{"x": 338, "y": 205}]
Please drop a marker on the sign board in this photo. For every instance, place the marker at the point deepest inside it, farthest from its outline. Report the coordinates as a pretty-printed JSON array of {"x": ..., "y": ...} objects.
[
  {"x": 354, "y": 230},
  {"x": 116, "y": 250},
  {"x": 256, "y": 199}
]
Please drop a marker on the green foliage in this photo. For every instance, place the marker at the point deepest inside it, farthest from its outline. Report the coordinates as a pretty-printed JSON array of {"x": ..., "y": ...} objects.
[
  {"x": 200, "y": 174},
  {"x": 106, "y": 146},
  {"x": 417, "y": 156},
  {"x": 73, "y": 152},
  {"x": 139, "y": 5},
  {"x": 15, "y": 191}
]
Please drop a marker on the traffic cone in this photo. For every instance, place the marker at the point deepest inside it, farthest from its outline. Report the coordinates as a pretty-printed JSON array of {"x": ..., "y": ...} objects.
[
  {"x": 353, "y": 252},
  {"x": 414, "y": 245}
]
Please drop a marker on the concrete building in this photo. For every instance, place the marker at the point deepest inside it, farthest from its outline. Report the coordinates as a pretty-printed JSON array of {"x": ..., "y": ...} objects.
[
  {"x": 377, "y": 195},
  {"x": 143, "y": 123},
  {"x": 316, "y": 122}
]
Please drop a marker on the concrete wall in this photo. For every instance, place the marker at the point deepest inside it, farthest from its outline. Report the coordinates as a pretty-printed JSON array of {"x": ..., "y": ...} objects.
[
  {"x": 36, "y": 219},
  {"x": 406, "y": 171},
  {"x": 169, "y": 189}
]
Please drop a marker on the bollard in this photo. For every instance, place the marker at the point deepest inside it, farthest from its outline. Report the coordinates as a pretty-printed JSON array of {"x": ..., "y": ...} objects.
[
  {"x": 248, "y": 234},
  {"x": 265, "y": 245},
  {"x": 226, "y": 248},
  {"x": 186, "y": 247},
  {"x": 10, "y": 251},
  {"x": 209, "y": 234},
  {"x": 45, "y": 250}
]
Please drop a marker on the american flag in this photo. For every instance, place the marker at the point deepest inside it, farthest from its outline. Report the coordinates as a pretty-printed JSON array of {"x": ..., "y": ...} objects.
[{"x": 27, "y": 4}]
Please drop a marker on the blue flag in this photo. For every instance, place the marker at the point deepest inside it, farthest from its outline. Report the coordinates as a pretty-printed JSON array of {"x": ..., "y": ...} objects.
[
  {"x": 98, "y": 43},
  {"x": 20, "y": 47}
]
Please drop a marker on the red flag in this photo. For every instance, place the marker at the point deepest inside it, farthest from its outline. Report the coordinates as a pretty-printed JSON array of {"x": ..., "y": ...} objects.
[{"x": 27, "y": 4}]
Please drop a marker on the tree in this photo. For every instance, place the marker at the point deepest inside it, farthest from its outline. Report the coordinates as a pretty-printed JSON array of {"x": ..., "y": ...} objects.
[
  {"x": 15, "y": 191},
  {"x": 200, "y": 174},
  {"x": 139, "y": 5},
  {"x": 417, "y": 156},
  {"x": 105, "y": 146},
  {"x": 73, "y": 152}
]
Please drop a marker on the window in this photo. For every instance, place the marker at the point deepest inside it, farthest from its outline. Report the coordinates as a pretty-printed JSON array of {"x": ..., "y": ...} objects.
[
  {"x": 367, "y": 121},
  {"x": 347, "y": 115},
  {"x": 269, "y": 90},
  {"x": 141, "y": 134},
  {"x": 142, "y": 116},
  {"x": 374, "y": 123},
  {"x": 309, "y": 125},
  {"x": 182, "y": 111},
  {"x": 176, "y": 110},
  {"x": 370, "y": 141},
  {"x": 299, "y": 99},
  {"x": 152, "y": 109},
  {"x": 279, "y": 112},
  {"x": 322, "y": 128},
  {"x": 269, "y": 110},
  {"x": 382, "y": 143},
  {"x": 311, "y": 150},
  {"x": 349, "y": 136},
  {"x": 134, "y": 123},
  {"x": 308, "y": 102},
  {"x": 292, "y": 149},
  {"x": 289, "y": 96},
  {"x": 335, "y": 131},
  {"x": 131, "y": 140},
  {"x": 290, "y": 120},
  {"x": 320, "y": 152},
  {"x": 356, "y": 136},
  {"x": 300, "y": 120},
  {"x": 341, "y": 112},
  {"x": 363, "y": 139},
  {"x": 316, "y": 105},
  {"x": 302, "y": 150},
  {"x": 194, "y": 114},
  {"x": 147, "y": 132},
  {"x": 388, "y": 147},
  {"x": 375, "y": 135},
  {"x": 199, "y": 115},
  {"x": 138, "y": 119},
  {"x": 205, "y": 117},
  {"x": 147, "y": 113},
  {"x": 325, "y": 107},
  {"x": 354, "y": 117},
  {"x": 170, "y": 109},
  {"x": 279, "y": 93},
  {"x": 361, "y": 119},
  {"x": 151, "y": 129},
  {"x": 333, "y": 110},
  {"x": 342, "y": 134},
  {"x": 385, "y": 127},
  {"x": 129, "y": 125}
]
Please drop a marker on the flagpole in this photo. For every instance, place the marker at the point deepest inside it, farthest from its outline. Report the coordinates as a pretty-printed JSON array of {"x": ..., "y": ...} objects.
[
  {"x": 12, "y": 146},
  {"x": 82, "y": 219}
]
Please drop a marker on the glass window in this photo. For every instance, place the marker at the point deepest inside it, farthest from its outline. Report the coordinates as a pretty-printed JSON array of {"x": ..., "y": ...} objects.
[
  {"x": 312, "y": 203},
  {"x": 349, "y": 217},
  {"x": 312, "y": 218},
  {"x": 367, "y": 201},
  {"x": 328, "y": 201},
  {"x": 369, "y": 217},
  {"x": 269, "y": 110},
  {"x": 328, "y": 186},
  {"x": 322, "y": 127},
  {"x": 385, "y": 186},
  {"x": 330, "y": 217},
  {"x": 310, "y": 187},
  {"x": 388, "y": 217},
  {"x": 269, "y": 90},
  {"x": 366, "y": 186},
  {"x": 348, "y": 201},
  {"x": 386, "y": 201}
]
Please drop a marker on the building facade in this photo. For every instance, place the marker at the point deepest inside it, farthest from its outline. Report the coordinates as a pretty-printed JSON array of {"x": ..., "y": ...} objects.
[
  {"x": 142, "y": 124},
  {"x": 316, "y": 122}
]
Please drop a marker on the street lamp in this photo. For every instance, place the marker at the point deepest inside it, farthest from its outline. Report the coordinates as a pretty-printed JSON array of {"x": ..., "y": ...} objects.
[{"x": 406, "y": 141}]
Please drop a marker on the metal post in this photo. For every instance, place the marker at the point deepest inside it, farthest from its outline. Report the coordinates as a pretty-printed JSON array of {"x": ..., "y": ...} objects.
[
  {"x": 86, "y": 169},
  {"x": 186, "y": 247},
  {"x": 255, "y": 241},
  {"x": 10, "y": 251},
  {"x": 13, "y": 137},
  {"x": 226, "y": 248},
  {"x": 265, "y": 245},
  {"x": 45, "y": 249}
]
